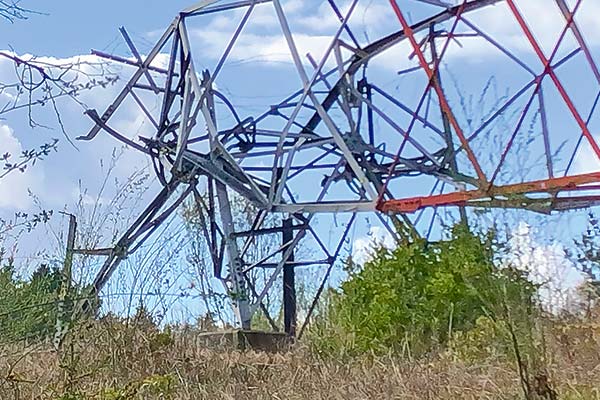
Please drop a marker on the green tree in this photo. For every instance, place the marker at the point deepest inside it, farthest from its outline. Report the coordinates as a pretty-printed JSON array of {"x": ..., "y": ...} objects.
[
  {"x": 416, "y": 296},
  {"x": 29, "y": 308}
]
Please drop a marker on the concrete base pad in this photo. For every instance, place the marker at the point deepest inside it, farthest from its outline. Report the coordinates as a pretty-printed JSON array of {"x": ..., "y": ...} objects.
[{"x": 245, "y": 340}]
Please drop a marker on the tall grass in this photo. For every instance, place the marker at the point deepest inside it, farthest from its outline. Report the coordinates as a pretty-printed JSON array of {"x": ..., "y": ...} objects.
[{"x": 116, "y": 359}]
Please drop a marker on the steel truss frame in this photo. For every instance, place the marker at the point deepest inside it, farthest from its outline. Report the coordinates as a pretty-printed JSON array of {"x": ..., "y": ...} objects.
[{"x": 206, "y": 165}]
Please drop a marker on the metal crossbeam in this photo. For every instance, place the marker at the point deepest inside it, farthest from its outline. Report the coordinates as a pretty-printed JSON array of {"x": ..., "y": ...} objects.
[{"x": 344, "y": 143}]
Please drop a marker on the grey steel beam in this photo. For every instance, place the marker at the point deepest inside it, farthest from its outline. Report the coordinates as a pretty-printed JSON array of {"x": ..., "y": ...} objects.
[
  {"x": 202, "y": 9},
  {"x": 327, "y": 207},
  {"x": 334, "y": 130},
  {"x": 383, "y": 44},
  {"x": 136, "y": 76},
  {"x": 239, "y": 288},
  {"x": 360, "y": 166}
]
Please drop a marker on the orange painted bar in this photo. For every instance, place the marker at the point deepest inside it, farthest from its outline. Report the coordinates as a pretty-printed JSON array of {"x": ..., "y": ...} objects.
[{"x": 553, "y": 185}]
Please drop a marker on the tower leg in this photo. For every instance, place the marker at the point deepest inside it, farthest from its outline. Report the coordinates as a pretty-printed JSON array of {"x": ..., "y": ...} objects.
[
  {"x": 289, "y": 283},
  {"x": 238, "y": 287}
]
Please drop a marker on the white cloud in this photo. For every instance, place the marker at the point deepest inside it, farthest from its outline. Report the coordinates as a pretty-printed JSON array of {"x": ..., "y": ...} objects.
[
  {"x": 264, "y": 47},
  {"x": 262, "y": 40},
  {"x": 14, "y": 186},
  {"x": 547, "y": 266},
  {"x": 544, "y": 19},
  {"x": 586, "y": 160},
  {"x": 366, "y": 17},
  {"x": 70, "y": 165},
  {"x": 313, "y": 29},
  {"x": 362, "y": 248}
]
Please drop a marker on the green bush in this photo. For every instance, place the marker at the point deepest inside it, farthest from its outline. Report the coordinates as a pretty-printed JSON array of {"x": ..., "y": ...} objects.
[
  {"x": 29, "y": 307},
  {"x": 415, "y": 298}
]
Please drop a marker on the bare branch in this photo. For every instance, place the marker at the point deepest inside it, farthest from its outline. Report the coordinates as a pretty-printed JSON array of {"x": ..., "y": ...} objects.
[
  {"x": 11, "y": 10},
  {"x": 38, "y": 82}
]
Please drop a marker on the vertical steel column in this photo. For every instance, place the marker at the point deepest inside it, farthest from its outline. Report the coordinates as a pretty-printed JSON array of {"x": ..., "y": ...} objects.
[
  {"x": 289, "y": 282},
  {"x": 64, "y": 299},
  {"x": 239, "y": 288},
  {"x": 67, "y": 274}
]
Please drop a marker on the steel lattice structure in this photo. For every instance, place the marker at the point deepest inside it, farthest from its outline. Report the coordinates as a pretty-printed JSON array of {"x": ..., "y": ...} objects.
[{"x": 346, "y": 143}]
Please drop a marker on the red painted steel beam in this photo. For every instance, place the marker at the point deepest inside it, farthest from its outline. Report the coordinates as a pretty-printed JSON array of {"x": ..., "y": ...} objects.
[
  {"x": 564, "y": 8},
  {"x": 550, "y": 186},
  {"x": 440, "y": 92},
  {"x": 559, "y": 86}
]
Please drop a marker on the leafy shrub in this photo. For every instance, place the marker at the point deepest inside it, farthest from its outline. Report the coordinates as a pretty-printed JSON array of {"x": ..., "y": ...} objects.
[
  {"x": 29, "y": 307},
  {"x": 416, "y": 297},
  {"x": 487, "y": 340}
]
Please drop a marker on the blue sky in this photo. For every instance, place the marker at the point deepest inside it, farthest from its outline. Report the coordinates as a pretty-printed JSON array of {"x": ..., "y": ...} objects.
[
  {"x": 74, "y": 27},
  {"x": 261, "y": 53},
  {"x": 260, "y": 73}
]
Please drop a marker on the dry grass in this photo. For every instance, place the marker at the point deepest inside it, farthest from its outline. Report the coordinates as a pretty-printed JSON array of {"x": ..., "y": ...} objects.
[{"x": 109, "y": 361}]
